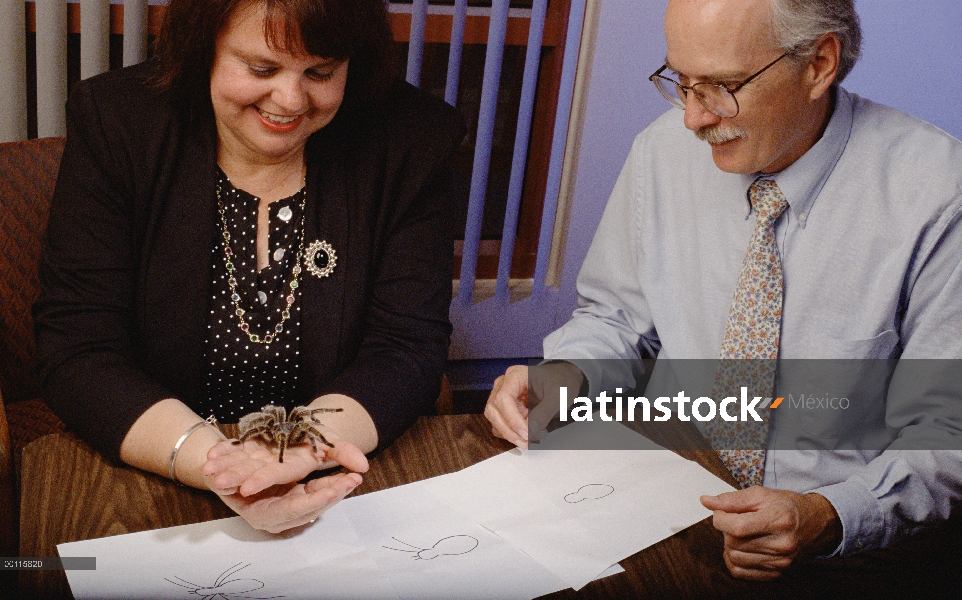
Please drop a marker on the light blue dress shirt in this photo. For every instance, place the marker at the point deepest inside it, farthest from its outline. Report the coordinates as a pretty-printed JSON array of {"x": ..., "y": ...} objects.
[{"x": 871, "y": 249}]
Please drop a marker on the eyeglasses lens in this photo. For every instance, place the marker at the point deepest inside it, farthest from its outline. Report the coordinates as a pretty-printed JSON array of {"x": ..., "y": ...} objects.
[
  {"x": 670, "y": 91},
  {"x": 716, "y": 99}
]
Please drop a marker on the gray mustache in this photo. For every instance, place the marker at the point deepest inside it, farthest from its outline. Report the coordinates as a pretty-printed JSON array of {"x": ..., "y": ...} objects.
[{"x": 718, "y": 135}]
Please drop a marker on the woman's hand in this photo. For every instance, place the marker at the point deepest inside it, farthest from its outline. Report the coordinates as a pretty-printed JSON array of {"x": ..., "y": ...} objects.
[{"x": 250, "y": 480}]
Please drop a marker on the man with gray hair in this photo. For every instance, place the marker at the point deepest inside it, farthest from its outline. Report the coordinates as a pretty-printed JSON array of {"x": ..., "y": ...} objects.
[{"x": 852, "y": 216}]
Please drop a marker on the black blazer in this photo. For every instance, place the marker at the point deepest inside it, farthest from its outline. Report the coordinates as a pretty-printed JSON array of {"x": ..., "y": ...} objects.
[{"x": 126, "y": 269}]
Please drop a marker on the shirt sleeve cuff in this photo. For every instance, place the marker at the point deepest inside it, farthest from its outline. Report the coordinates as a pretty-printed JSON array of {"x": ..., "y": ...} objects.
[{"x": 863, "y": 521}]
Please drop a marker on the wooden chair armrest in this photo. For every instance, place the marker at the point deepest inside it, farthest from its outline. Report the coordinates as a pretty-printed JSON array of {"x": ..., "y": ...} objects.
[
  {"x": 8, "y": 515},
  {"x": 444, "y": 405}
]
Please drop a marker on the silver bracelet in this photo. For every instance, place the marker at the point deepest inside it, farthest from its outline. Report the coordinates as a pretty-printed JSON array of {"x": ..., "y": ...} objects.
[{"x": 173, "y": 455}]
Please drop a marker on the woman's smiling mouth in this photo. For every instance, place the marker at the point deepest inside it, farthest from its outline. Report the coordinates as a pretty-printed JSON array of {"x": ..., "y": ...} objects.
[{"x": 278, "y": 119}]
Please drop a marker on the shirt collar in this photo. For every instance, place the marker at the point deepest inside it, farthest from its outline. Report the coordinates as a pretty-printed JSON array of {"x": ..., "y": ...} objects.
[{"x": 801, "y": 181}]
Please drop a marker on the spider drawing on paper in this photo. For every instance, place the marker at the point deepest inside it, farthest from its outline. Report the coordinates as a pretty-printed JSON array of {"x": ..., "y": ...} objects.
[
  {"x": 224, "y": 588},
  {"x": 452, "y": 545},
  {"x": 276, "y": 427}
]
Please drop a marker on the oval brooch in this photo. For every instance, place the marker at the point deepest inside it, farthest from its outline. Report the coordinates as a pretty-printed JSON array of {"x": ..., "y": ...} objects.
[{"x": 320, "y": 259}]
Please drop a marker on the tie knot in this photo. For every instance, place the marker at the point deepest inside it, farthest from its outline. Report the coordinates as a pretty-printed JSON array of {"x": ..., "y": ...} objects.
[{"x": 768, "y": 201}]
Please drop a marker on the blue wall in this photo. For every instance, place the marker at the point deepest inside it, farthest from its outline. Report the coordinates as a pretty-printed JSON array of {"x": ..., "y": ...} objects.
[
  {"x": 911, "y": 55},
  {"x": 912, "y": 60}
]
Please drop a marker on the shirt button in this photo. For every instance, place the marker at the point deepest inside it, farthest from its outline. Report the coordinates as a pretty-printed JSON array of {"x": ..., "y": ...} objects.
[
  {"x": 279, "y": 254},
  {"x": 802, "y": 217},
  {"x": 262, "y": 297},
  {"x": 285, "y": 213}
]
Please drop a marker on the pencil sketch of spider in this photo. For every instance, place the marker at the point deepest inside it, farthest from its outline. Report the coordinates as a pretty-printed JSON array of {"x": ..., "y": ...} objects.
[
  {"x": 276, "y": 427},
  {"x": 452, "y": 545},
  {"x": 224, "y": 588}
]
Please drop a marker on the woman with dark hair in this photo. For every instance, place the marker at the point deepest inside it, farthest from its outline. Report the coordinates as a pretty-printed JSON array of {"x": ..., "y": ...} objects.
[{"x": 256, "y": 216}]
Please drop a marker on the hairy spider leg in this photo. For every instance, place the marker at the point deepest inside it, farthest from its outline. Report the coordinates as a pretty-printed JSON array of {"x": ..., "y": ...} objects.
[
  {"x": 326, "y": 410},
  {"x": 317, "y": 432},
  {"x": 303, "y": 431},
  {"x": 298, "y": 414},
  {"x": 262, "y": 429},
  {"x": 282, "y": 444},
  {"x": 278, "y": 412}
]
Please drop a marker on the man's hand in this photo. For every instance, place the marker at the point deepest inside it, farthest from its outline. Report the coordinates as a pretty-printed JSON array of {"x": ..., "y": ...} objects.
[
  {"x": 250, "y": 480},
  {"x": 522, "y": 395},
  {"x": 507, "y": 407},
  {"x": 766, "y": 530}
]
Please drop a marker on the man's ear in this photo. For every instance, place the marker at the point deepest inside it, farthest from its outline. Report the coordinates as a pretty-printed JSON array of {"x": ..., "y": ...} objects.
[{"x": 823, "y": 65}]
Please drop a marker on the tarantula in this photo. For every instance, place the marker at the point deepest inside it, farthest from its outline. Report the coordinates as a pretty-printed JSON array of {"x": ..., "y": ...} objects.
[{"x": 275, "y": 426}]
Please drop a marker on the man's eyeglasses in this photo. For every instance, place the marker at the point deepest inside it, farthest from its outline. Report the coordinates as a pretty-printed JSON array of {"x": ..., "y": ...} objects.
[{"x": 717, "y": 98}]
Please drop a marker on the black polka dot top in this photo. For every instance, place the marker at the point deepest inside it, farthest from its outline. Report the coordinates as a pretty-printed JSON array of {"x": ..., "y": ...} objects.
[{"x": 243, "y": 375}]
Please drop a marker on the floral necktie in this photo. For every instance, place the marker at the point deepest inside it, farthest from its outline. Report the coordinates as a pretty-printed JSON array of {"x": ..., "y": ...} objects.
[{"x": 750, "y": 348}]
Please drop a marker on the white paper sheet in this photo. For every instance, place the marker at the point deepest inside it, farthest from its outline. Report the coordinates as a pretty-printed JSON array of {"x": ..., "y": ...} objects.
[
  {"x": 612, "y": 570},
  {"x": 228, "y": 557},
  {"x": 426, "y": 549},
  {"x": 324, "y": 560},
  {"x": 579, "y": 511},
  {"x": 411, "y": 545}
]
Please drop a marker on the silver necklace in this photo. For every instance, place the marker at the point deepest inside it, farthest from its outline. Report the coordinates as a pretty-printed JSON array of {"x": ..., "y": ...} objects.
[{"x": 239, "y": 312}]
